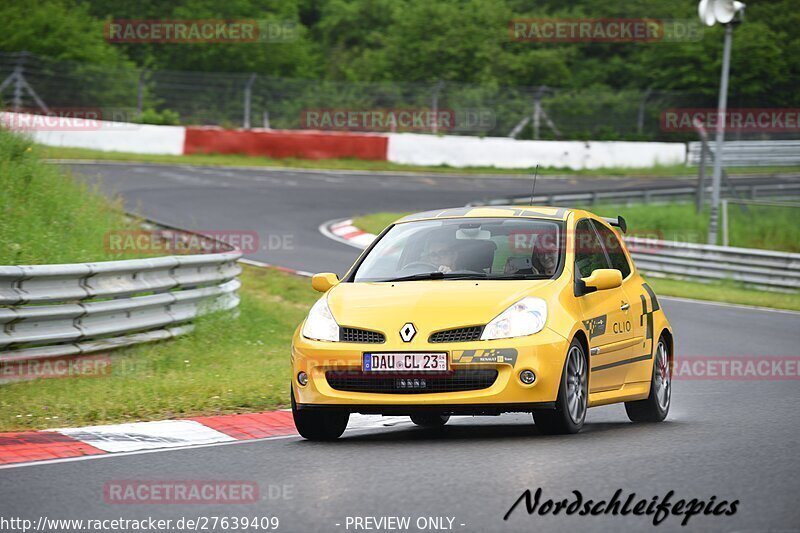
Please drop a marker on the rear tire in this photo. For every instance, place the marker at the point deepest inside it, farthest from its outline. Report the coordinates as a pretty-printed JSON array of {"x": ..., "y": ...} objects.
[
  {"x": 319, "y": 425},
  {"x": 573, "y": 396},
  {"x": 656, "y": 406},
  {"x": 430, "y": 421}
]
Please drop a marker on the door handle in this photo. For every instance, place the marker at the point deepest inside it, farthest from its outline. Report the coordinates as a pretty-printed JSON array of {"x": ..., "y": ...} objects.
[{"x": 625, "y": 306}]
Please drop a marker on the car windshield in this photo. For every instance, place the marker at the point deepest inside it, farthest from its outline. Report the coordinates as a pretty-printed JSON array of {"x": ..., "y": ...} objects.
[{"x": 461, "y": 248}]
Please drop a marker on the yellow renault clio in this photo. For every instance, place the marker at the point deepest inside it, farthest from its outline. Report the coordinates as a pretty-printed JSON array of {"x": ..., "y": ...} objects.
[{"x": 481, "y": 311}]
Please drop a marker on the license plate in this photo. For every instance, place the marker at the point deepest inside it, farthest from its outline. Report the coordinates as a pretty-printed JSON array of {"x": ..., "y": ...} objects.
[{"x": 405, "y": 362}]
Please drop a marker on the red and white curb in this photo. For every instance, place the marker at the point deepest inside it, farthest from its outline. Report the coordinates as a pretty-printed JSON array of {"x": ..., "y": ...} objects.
[
  {"x": 25, "y": 447},
  {"x": 345, "y": 232},
  {"x": 68, "y": 443}
]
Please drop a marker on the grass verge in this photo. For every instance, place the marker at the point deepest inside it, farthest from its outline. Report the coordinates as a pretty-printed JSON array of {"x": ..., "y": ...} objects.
[
  {"x": 679, "y": 220},
  {"x": 376, "y": 222},
  {"x": 47, "y": 217},
  {"x": 232, "y": 362},
  {"x": 51, "y": 152},
  {"x": 765, "y": 227},
  {"x": 229, "y": 364},
  {"x": 723, "y": 292}
]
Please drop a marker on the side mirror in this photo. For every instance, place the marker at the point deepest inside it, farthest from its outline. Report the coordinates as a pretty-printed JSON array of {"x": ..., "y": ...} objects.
[
  {"x": 603, "y": 278},
  {"x": 324, "y": 281}
]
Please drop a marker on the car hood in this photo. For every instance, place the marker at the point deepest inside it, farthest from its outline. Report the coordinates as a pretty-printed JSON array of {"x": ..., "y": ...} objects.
[{"x": 430, "y": 305}]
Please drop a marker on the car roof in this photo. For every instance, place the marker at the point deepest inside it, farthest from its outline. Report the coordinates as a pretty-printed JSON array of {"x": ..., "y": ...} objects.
[{"x": 494, "y": 211}]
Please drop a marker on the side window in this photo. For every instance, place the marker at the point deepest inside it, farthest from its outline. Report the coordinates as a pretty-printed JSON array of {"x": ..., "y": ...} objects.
[
  {"x": 614, "y": 249},
  {"x": 589, "y": 255}
]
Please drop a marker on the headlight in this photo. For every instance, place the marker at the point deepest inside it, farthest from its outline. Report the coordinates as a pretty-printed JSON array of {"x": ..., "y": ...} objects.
[
  {"x": 320, "y": 324},
  {"x": 525, "y": 317}
]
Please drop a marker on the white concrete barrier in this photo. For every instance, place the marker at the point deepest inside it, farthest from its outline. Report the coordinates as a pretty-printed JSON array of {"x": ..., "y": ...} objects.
[
  {"x": 98, "y": 134},
  {"x": 405, "y": 148},
  {"x": 500, "y": 152}
]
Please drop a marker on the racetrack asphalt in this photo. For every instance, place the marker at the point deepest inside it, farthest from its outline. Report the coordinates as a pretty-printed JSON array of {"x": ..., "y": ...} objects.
[{"x": 732, "y": 439}]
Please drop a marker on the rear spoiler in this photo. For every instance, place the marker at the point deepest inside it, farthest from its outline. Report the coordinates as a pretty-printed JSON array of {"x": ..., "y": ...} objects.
[{"x": 617, "y": 222}]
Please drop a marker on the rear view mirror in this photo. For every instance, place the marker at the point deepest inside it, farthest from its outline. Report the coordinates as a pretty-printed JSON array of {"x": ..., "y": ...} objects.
[
  {"x": 473, "y": 233},
  {"x": 324, "y": 281},
  {"x": 603, "y": 278}
]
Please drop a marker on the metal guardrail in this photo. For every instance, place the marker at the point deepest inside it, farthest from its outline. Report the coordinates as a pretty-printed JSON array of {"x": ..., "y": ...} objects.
[
  {"x": 55, "y": 310},
  {"x": 669, "y": 194},
  {"x": 751, "y": 153},
  {"x": 765, "y": 269}
]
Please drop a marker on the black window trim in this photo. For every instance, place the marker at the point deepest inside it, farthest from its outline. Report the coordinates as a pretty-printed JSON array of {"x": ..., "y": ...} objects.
[
  {"x": 608, "y": 256},
  {"x": 600, "y": 240},
  {"x": 579, "y": 287}
]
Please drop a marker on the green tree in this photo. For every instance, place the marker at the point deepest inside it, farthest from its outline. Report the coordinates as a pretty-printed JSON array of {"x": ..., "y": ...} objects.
[{"x": 56, "y": 29}]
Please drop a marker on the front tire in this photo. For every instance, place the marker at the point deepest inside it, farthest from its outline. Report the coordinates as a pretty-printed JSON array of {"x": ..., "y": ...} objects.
[
  {"x": 430, "y": 421},
  {"x": 656, "y": 406},
  {"x": 573, "y": 396},
  {"x": 319, "y": 425}
]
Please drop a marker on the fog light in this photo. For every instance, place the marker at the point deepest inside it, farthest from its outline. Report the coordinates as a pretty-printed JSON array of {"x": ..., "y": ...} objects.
[
  {"x": 302, "y": 378},
  {"x": 527, "y": 377}
]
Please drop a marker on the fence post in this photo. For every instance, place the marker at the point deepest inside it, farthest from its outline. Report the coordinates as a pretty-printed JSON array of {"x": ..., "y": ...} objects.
[
  {"x": 435, "y": 105},
  {"x": 724, "y": 203},
  {"x": 140, "y": 92},
  {"x": 248, "y": 93},
  {"x": 701, "y": 177},
  {"x": 701, "y": 173},
  {"x": 18, "y": 77},
  {"x": 640, "y": 118}
]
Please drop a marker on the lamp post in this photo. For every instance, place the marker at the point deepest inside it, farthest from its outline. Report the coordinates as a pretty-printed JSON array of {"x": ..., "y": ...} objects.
[{"x": 724, "y": 12}]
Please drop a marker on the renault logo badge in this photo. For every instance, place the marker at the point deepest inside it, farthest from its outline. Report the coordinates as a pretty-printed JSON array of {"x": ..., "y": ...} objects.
[{"x": 407, "y": 332}]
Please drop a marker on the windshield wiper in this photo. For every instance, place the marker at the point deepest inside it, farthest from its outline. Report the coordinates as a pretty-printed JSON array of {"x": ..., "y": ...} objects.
[
  {"x": 520, "y": 276},
  {"x": 465, "y": 275},
  {"x": 438, "y": 275}
]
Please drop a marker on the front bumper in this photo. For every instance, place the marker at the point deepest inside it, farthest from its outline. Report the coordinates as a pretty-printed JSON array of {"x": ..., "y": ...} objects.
[{"x": 543, "y": 353}]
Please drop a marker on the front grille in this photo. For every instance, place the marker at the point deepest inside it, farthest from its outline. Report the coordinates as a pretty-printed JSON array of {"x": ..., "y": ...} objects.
[
  {"x": 459, "y": 380},
  {"x": 472, "y": 333},
  {"x": 361, "y": 336}
]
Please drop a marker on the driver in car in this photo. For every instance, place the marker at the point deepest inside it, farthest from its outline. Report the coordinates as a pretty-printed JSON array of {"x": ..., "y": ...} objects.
[
  {"x": 440, "y": 253},
  {"x": 545, "y": 262}
]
